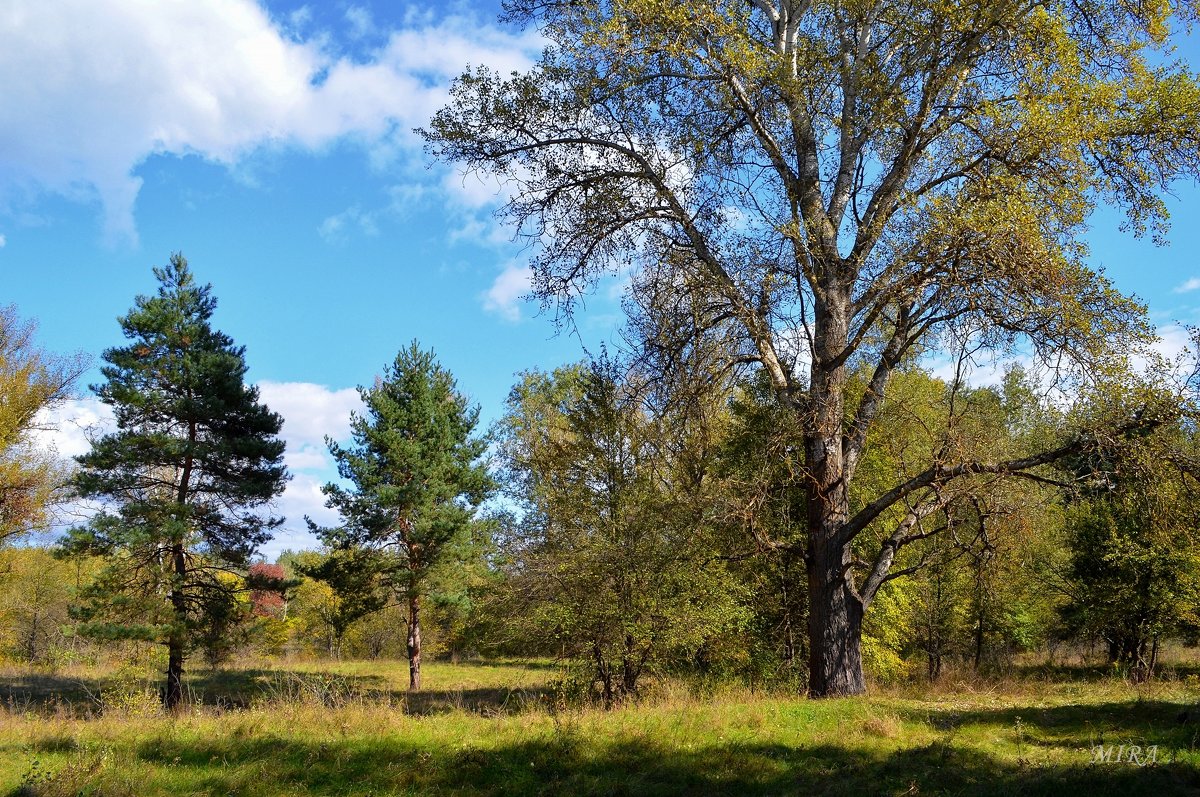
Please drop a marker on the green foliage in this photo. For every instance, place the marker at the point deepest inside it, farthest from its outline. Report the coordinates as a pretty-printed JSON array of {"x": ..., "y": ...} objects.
[
  {"x": 829, "y": 191},
  {"x": 887, "y": 631},
  {"x": 36, "y": 591},
  {"x": 612, "y": 565},
  {"x": 761, "y": 497},
  {"x": 1133, "y": 574},
  {"x": 182, "y": 481},
  {"x": 353, "y": 588},
  {"x": 414, "y": 466},
  {"x": 417, "y": 481}
]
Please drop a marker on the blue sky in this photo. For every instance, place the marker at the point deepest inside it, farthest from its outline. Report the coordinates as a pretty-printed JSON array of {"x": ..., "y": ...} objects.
[{"x": 272, "y": 145}]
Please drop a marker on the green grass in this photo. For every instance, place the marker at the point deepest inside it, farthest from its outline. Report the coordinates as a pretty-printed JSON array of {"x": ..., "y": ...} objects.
[{"x": 497, "y": 729}]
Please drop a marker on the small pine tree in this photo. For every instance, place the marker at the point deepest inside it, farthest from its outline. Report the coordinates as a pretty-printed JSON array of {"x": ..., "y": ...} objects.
[
  {"x": 182, "y": 481},
  {"x": 417, "y": 479}
]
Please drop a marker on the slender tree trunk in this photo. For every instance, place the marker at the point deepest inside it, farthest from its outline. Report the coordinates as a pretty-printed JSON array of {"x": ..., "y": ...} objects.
[
  {"x": 629, "y": 667},
  {"x": 173, "y": 697},
  {"x": 789, "y": 643},
  {"x": 414, "y": 642},
  {"x": 835, "y": 609},
  {"x": 603, "y": 674},
  {"x": 31, "y": 639},
  {"x": 789, "y": 636},
  {"x": 979, "y": 644}
]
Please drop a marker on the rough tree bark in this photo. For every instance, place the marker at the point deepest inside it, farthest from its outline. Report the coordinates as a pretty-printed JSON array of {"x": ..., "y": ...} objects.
[
  {"x": 414, "y": 642},
  {"x": 173, "y": 697}
]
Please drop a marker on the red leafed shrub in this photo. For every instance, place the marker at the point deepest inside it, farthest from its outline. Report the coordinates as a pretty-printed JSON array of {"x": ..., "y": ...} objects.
[{"x": 267, "y": 587}]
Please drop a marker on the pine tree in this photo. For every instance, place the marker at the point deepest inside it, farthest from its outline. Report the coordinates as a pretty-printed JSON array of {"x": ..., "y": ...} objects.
[
  {"x": 417, "y": 479},
  {"x": 184, "y": 479}
]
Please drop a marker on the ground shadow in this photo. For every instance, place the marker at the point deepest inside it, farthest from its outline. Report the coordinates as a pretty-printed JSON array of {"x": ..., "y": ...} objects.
[
  {"x": 1168, "y": 725},
  {"x": 59, "y": 695},
  {"x": 564, "y": 763}
]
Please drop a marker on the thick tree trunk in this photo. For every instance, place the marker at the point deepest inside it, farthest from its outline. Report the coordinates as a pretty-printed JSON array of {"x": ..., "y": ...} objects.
[
  {"x": 835, "y": 610},
  {"x": 834, "y": 631},
  {"x": 414, "y": 643}
]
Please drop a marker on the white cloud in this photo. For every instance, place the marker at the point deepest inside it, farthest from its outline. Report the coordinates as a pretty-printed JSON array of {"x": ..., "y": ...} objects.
[
  {"x": 1174, "y": 340},
  {"x": 300, "y": 17},
  {"x": 94, "y": 87},
  {"x": 360, "y": 21},
  {"x": 68, "y": 428},
  {"x": 3, "y": 241},
  {"x": 335, "y": 228},
  {"x": 476, "y": 191},
  {"x": 1172, "y": 352},
  {"x": 988, "y": 371},
  {"x": 304, "y": 456},
  {"x": 505, "y": 296},
  {"x": 1190, "y": 285},
  {"x": 310, "y": 412},
  {"x": 303, "y": 497}
]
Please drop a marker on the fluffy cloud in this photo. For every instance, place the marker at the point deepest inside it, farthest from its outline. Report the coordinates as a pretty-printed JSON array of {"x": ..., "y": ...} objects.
[
  {"x": 68, "y": 428},
  {"x": 94, "y": 87},
  {"x": 1189, "y": 286},
  {"x": 507, "y": 291},
  {"x": 302, "y": 498},
  {"x": 310, "y": 412}
]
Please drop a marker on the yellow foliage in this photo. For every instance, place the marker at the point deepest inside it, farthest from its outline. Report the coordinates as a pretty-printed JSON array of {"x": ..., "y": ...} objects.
[{"x": 30, "y": 381}]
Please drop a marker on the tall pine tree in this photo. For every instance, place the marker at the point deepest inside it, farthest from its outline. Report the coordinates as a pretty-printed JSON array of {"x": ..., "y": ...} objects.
[
  {"x": 184, "y": 479},
  {"x": 417, "y": 479}
]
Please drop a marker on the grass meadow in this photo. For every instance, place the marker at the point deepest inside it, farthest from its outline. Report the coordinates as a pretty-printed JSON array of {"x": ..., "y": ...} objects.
[{"x": 503, "y": 727}]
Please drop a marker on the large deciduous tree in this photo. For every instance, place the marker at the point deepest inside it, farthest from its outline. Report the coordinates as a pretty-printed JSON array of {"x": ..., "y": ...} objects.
[
  {"x": 827, "y": 187},
  {"x": 416, "y": 479},
  {"x": 182, "y": 481}
]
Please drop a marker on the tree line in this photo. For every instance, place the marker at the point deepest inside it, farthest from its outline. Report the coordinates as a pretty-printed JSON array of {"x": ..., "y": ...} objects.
[
  {"x": 809, "y": 203},
  {"x": 626, "y": 522}
]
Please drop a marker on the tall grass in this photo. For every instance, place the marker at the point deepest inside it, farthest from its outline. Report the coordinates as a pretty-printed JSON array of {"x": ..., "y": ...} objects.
[{"x": 503, "y": 729}]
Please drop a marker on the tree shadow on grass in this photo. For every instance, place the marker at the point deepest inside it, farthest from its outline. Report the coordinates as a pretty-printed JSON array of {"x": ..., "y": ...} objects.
[
  {"x": 43, "y": 693},
  {"x": 1168, "y": 725},
  {"x": 557, "y": 763},
  {"x": 518, "y": 664},
  {"x": 56, "y": 695}
]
